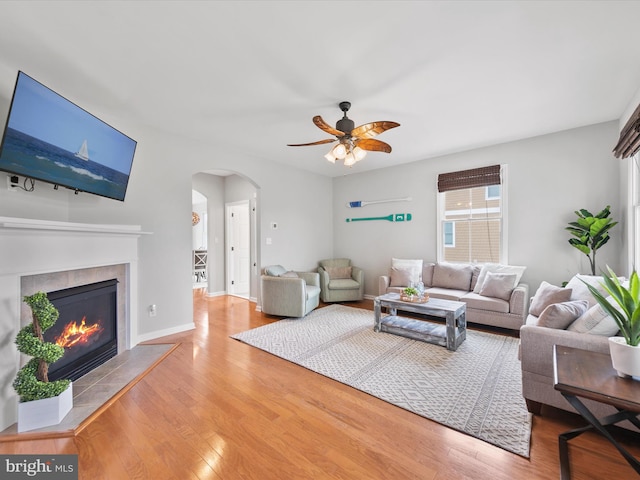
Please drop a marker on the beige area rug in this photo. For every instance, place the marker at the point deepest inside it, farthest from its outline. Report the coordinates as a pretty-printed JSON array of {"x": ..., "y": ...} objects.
[{"x": 475, "y": 390}]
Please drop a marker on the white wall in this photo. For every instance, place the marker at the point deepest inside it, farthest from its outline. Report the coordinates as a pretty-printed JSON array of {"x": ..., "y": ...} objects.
[
  {"x": 212, "y": 187},
  {"x": 549, "y": 177},
  {"x": 159, "y": 199}
]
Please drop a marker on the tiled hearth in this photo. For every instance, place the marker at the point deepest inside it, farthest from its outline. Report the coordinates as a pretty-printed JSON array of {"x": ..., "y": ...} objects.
[{"x": 98, "y": 387}]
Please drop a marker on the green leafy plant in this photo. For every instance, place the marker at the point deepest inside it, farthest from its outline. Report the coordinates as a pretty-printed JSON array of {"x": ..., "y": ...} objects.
[
  {"x": 32, "y": 380},
  {"x": 409, "y": 291},
  {"x": 591, "y": 232},
  {"x": 627, "y": 312}
]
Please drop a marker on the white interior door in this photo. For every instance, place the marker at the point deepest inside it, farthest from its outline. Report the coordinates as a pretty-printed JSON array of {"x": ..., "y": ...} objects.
[{"x": 238, "y": 249}]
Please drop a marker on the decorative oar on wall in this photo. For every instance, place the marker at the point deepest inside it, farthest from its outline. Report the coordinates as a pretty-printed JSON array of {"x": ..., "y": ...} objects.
[
  {"x": 394, "y": 217},
  {"x": 362, "y": 203}
]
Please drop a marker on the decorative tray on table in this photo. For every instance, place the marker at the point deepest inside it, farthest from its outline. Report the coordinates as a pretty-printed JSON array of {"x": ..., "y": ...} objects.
[{"x": 414, "y": 298}]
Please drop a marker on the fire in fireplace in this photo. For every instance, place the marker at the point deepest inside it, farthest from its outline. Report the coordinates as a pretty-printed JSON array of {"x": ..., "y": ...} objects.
[{"x": 86, "y": 328}]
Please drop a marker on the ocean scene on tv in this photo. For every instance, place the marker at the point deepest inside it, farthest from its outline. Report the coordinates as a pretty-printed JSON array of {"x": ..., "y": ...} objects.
[{"x": 51, "y": 139}]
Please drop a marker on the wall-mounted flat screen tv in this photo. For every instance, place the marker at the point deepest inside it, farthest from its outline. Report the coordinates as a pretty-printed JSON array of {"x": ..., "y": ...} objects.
[{"x": 51, "y": 139}]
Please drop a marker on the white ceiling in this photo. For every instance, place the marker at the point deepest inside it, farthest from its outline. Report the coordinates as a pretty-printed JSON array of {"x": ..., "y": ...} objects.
[{"x": 249, "y": 76}]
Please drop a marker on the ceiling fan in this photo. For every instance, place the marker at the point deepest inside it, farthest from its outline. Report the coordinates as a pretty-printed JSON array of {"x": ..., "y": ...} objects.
[{"x": 352, "y": 142}]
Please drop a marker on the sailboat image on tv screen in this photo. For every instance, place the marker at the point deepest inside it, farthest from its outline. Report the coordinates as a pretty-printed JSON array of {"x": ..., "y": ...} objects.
[{"x": 83, "y": 153}]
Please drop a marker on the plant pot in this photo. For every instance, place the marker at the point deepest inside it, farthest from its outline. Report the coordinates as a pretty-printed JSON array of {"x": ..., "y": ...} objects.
[
  {"x": 625, "y": 358},
  {"x": 45, "y": 412}
]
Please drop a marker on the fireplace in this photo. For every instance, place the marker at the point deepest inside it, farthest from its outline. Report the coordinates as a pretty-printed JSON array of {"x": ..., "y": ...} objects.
[{"x": 86, "y": 328}]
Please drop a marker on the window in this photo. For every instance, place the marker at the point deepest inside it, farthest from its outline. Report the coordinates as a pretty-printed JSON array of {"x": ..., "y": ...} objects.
[
  {"x": 448, "y": 230},
  {"x": 492, "y": 192},
  {"x": 471, "y": 216}
]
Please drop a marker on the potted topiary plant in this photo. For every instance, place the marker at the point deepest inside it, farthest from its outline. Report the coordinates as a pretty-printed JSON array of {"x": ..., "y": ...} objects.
[
  {"x": 625, "y": 310},
  {"x": 42, "y": 403},
  {"x": 591, "y": 232}
]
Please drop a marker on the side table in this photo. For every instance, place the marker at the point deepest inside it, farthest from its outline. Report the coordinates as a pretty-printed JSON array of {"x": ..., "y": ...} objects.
[{"x": 590, "y": 375}]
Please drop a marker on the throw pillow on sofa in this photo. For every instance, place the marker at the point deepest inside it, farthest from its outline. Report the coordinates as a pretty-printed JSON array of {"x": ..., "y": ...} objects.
[
  {"x": 498, "y": 268},
  {"x": 546, "y": 295},
  {"x": 580, "y": 290},
  {"x": 596, "y": 321},
  {"x": 561, "y": 315},
  {"x": 452, "y": 275},
  {"x": 400, "y": 278},
  {"x": 413, "y": 266},
  {"x": 498, "y": 285}
]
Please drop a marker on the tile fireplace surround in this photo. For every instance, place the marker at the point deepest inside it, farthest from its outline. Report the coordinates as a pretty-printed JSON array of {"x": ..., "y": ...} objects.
[{"x": 49, "y": 255}]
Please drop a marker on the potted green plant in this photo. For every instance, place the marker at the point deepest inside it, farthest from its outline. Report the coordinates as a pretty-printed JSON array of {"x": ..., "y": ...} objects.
[
  {"x": 410, "y": 292},
  {"x": 591, "y": 232},
  {"x": 42, "y": 403},
  {"x": 625, "y": 310}
]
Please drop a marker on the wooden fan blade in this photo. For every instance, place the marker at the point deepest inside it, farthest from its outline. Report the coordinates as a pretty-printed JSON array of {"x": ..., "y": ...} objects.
[
  {"x": 373, "y": 145},
  {"x": 322, "y": 125},
  {"x": 319, "y": 142},
  {"x": 370, "y": 130}
]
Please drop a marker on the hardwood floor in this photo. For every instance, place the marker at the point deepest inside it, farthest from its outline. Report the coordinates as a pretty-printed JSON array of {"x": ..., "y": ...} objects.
[{"x": 220, "y": 409}]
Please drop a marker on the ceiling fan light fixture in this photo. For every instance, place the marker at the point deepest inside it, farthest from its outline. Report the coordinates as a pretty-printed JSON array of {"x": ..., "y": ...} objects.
[
  {"x": 359, "y": 153},
  {"x": 339, "y": 151},
  {"x": 350, "y": 159},
  {"x": 353, "y": 143}
]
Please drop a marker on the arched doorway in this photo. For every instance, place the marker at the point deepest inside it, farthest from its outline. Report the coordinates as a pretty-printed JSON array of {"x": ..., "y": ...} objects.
[{"x": 223, "y": 189}]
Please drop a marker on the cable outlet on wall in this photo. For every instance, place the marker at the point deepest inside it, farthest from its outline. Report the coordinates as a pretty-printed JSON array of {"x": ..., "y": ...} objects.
[
  {"x": 153, "y": 309},
  {"x": 12, "y": 182}
]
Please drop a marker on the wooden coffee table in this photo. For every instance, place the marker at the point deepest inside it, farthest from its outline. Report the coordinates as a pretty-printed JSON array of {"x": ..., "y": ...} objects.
[
  {"x": 449, "y": 335},
  {"x": 590, "y": 375}
]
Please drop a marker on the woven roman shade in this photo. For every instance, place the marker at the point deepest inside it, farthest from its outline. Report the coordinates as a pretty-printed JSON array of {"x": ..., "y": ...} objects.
[
  {"x": 476, "y": 177},
  {"x": 629, "y": 142}
]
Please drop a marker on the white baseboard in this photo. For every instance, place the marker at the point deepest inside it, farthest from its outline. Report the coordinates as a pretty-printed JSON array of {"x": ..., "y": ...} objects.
[
  {"x": 163, "y": 333},
  {"x": 216, "y": 294}
]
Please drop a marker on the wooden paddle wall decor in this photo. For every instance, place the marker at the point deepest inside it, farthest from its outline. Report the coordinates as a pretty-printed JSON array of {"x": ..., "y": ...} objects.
[
  {"x": 362, "y": 203},
  {"x": 394, "y": 217}
]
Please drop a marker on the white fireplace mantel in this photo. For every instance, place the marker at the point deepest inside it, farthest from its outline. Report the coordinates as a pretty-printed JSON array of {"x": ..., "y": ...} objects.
[
  {"x": 34, "y": 247},
  {"x": 33, "y": 224}
]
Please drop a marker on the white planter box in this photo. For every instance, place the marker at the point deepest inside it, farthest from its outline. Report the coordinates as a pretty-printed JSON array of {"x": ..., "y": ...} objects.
[
  {"x": 624, "y": 358},
  {"x": 45, "y": 412}
]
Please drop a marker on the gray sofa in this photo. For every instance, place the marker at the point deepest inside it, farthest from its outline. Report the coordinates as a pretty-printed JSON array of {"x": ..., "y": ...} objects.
[
  {"x": 588, "y": 331},
  {"x": 287, "y": 293},
  {"x": 464, "y": 282}
]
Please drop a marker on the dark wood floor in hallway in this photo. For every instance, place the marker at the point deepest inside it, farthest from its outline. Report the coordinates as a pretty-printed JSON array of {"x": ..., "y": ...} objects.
[{"x": 219, "y": 409}]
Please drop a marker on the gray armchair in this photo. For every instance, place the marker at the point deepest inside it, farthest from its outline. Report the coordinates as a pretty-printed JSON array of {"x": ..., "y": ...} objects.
[
  {"x": 340, "y": 281},
  {"x": 289, "y": 294}
]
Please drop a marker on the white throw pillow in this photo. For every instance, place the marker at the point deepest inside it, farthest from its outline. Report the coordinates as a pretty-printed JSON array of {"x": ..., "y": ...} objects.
[
  {"x": 498, "y": 285},
  {"x": 580, "y": 290},
  {"x": 596, "y": 321},
  {"x": 561, "y": 315},
  {"x": 498, "y": 268}
]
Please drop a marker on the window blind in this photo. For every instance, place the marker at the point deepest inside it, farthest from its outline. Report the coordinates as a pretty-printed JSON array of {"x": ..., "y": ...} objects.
[
  {"x": 629, "y": 142},
  {"x": 476, "y": 177}
]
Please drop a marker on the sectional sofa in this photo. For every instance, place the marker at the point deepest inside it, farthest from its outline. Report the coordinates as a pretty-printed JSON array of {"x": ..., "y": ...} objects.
[{"x": 567, "y": 316}]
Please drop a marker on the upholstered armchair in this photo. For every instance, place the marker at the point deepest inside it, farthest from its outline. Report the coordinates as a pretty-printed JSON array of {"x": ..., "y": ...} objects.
[
  {"x": 340, "y": 281},
  {"x": 289, "y": 294}
]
